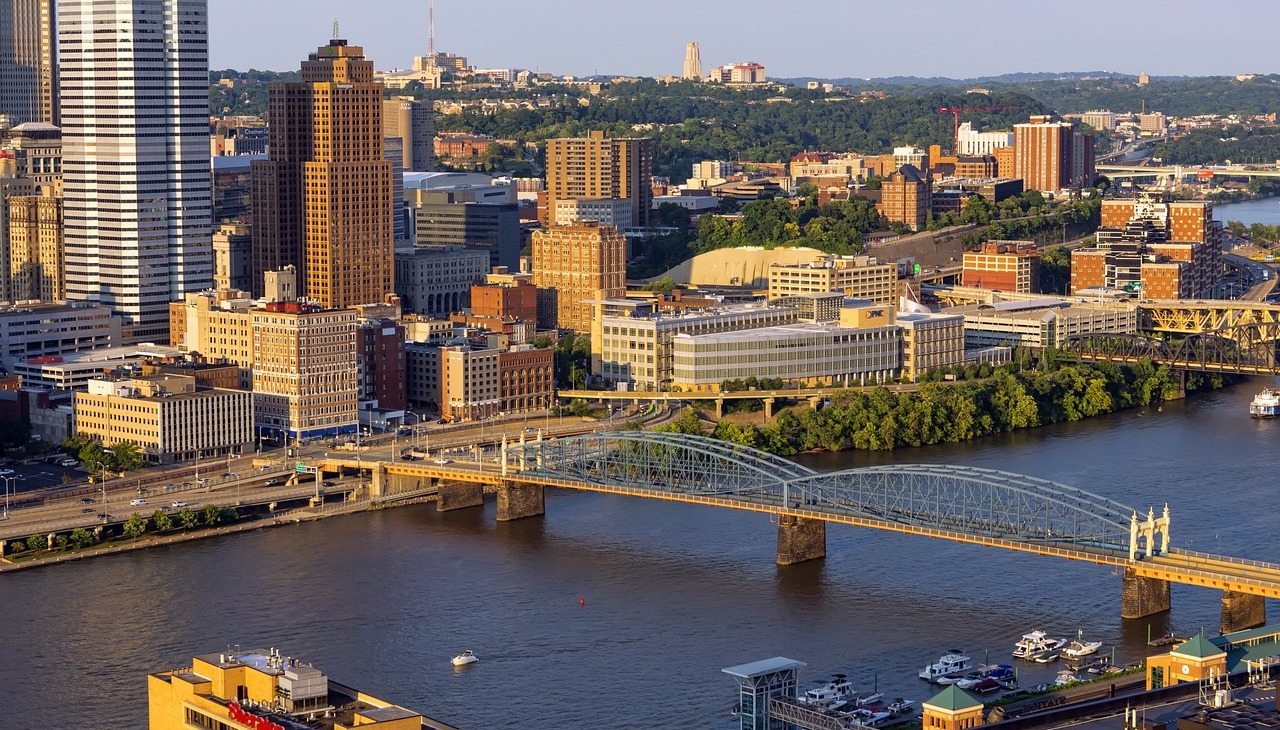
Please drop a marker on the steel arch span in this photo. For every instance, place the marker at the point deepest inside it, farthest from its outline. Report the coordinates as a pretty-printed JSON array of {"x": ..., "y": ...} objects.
[{"x": 969, "y": 502}]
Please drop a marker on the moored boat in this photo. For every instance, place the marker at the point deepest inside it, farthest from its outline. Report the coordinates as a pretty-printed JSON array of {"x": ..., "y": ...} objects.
[
  {"x": 1032, "y": 644},
  {"x": 1079, "y": 648},
  {"x": 1046, "y": 656},
  {"x": 952, "y": 663},
  {"x": 838, "y": 689},
  {"x": 1265, "y": 404}
]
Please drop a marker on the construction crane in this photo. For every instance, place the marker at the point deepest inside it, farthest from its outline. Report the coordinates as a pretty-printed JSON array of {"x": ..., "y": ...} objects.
[{"x": 955, "y": 112}]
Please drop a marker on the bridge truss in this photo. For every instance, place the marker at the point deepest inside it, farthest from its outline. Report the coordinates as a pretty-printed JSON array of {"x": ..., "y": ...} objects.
[
  {"x": 1244, "y": 349},
  {"x": 967, "y": 502}
]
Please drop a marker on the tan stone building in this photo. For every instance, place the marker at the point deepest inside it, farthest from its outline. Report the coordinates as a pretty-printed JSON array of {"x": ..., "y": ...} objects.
[
  {"x": 304, "y": 370},
  {"x": 574, "y": 266},
  {"x": 930, "y": 342},
  {"x": 216, "y": 325},
  {"x": 323, "y": 201},
  {"x": 232, "y": 257},
  {"x": 167, "y": 416},
  {"x": 36, "y": 256},
  {"x": 859, "y": 277},
  {"x": 599, "y": 167}
]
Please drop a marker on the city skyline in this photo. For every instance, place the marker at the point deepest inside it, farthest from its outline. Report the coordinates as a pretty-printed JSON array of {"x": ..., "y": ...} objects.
[{"x": 655, "y": 40}]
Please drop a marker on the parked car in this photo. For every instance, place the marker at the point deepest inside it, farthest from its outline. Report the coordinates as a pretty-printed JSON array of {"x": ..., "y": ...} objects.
[
  {"x": 5, "y": 472},
  {"x": 68, "y": 463}
]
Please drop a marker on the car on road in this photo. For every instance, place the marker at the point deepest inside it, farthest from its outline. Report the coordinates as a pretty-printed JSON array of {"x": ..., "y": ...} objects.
[
  {"x": 442, "y": 462},
  {"x": 177, "y": 504},
  {"x": 104, "y": 516},
  {"x": 186, "y": 484},
  {"x": 404, "y": 431},
  {"x": 408, "y": 457},
  {"x": 86, "y": 511},
  {"x": 87, "y": 500},
  {"x": 137, "y": 502},
  {"x": 272, "y": 482},
  {"x": 171, "y": 486},
  {"x": 228, "y": 475},
  {"x": 264, "y": 467},
  {"x": 5, "y": 472},
  {"x": 328, "y": 483},
  {"x": 203, "y": 480}
]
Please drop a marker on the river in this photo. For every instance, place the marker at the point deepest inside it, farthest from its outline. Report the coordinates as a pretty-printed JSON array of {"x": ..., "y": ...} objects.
[
  {"x": 670, "y": 593},
  {"x": 1263, "y": 210}
]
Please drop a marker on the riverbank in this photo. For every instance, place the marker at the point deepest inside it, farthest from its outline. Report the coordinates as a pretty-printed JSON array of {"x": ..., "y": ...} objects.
[{"x": 986, "y": 401}]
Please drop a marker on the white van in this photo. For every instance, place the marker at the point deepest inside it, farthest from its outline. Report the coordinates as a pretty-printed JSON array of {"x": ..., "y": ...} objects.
[{"x": 137, "y": 502}]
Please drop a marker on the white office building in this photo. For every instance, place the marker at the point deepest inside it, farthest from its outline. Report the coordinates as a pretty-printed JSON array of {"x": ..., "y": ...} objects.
[
  {"x": 972, "y": 142},
  {"x": 134, "y": 83}
]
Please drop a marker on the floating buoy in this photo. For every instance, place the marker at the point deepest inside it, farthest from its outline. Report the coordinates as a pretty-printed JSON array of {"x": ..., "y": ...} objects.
[{"x": 582, "y": 600}]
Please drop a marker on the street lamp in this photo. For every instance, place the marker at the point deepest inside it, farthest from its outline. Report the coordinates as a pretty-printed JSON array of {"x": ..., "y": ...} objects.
[{"x": 8, "y": 485}]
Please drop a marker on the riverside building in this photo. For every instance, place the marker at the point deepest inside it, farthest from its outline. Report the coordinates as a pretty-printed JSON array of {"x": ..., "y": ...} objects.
[{"x": 260, "y": 689}]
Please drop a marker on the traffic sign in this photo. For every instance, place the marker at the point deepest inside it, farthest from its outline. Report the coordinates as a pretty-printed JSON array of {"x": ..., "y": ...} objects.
[{"x": 300, "y": 467}]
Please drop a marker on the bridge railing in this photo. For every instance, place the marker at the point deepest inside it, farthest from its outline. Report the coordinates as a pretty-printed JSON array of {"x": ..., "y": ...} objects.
[{"x": 1224, "y": 558}]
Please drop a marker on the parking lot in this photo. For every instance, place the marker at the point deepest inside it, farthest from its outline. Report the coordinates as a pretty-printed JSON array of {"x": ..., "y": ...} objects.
[{"x": 31, "y": 477}]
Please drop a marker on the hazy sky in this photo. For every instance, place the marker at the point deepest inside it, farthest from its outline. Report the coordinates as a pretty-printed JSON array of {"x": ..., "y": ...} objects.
[{"x": 822, "y": 38}]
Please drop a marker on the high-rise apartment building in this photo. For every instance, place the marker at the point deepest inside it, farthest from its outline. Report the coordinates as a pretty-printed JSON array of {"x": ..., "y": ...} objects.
[
  {"x": 859, "y": 277},
  {"x": 906, "y": 197},
  {"x": 574, "y": 266},
  {"x": 601, "y": 167},
  {"x": 1051, "y": 156},
  {"x": 134, "y": 88},
  {"x": 692, "y": 62},
  {"x": 28, "y": 61},
  {"x": 323, "y": 200}
]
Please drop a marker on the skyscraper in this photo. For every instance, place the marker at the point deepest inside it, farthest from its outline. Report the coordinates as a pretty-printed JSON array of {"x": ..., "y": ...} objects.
[
  {"x": 601, "y": 167},
  {"x": 28, "y": 67},
  {"x": 692, "y": 62},
  {"x": 574, "y": 266},
  {"x": 134, "y": 91},
  {"x": 1051, "y": 156},
  {"x": 323, "y": 201}
]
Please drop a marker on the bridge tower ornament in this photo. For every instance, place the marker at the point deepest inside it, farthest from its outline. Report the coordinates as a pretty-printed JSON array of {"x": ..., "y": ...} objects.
[{"x": 1147, "y": 531}]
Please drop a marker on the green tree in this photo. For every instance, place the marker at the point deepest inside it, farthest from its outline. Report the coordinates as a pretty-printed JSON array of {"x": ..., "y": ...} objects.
[
  {"x": 212, "y": 515},
  {"x": 80, "y": 539},
  {"x": 37, "y": 542},
  {"x": 127, "y": 456},
  {"x": 94, "y": 458},
  {"x": 161, "y": 521},
  {"x": 687, "y": 422},
  {"x": 136, "y": 526},
  {"x": 187, "y": 518}
]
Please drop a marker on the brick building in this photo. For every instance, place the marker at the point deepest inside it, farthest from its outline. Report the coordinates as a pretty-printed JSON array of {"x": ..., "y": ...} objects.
[{"x": 1012, "y": 266}]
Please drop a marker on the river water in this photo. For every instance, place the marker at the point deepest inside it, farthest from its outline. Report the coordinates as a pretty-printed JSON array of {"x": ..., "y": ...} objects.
[
  {"x": 670, "y": 593},
  {"x": 1265, "y": 211}
]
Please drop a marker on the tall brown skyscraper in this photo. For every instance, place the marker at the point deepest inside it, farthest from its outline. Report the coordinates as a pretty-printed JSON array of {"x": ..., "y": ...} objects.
[
  {"x": 600, "y": 167},
  {"x": 28, "y": 66},
  {"x": 322, "y": 202},
  {"x": 573, "y": 266}
]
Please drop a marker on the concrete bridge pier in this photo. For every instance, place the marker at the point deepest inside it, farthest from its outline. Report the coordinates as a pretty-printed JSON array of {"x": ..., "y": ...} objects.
[
  {"x": 517, "y": 501},
  {"x": 815, "y": 402},
  {"x": 378, "y": 480},
  {"x": 800, "y": 539},
  {"x": 719, "y": 408},
  {"x": 768, "y": 408},
  {"x": 459, "y": 495},
  {"x": 1242, "y": 611},
  {"x": 1141, "y": 596}
]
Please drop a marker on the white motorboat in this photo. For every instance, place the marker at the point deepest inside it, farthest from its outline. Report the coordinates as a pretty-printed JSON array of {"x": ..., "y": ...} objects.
[
  {"x": 838, "y": 689},
  {"x": 951, "y": 663},
  {"x": 1046, "y": 656},
  {"x": 1080, "y": 648},
  {"x": 465, "y": 658},
  {"x": 1035, "y": 643},
  {"x": 901, "y": 706},
  {"x": 1265, "y": 404},
  {"x": 1065, "y": 677}
]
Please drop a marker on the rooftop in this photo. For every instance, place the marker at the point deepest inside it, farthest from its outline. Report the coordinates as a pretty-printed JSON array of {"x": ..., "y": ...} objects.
[{"x": 764, "y": 666}]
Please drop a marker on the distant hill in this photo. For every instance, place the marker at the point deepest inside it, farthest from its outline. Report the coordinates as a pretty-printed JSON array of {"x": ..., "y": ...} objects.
[{"x": 1010, "y": 78}]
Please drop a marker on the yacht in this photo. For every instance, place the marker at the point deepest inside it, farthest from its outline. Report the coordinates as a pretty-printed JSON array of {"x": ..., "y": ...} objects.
[
  {"x": 951, "y": 663},
  {"x": 465, "y": 658},
  {"x": 1265, "y": 404},
  {"x": 901, "y": 706},
  {"x": 1079, "y": 648},
  {"x": 1033, "y": 644},
  {"x": 1065, "y": 677},
  {"x": 838, "y": 689}
]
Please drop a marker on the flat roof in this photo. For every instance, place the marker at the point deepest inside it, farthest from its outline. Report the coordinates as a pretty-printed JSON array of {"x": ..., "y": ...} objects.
[
  {"x": 764, "y": 666},
  {"x": 780, "y": 332},
  {"x": 388, "y": 713}
]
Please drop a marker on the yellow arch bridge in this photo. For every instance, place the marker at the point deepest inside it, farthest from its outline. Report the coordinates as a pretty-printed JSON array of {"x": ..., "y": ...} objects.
[{"x": 962, "y": 504}]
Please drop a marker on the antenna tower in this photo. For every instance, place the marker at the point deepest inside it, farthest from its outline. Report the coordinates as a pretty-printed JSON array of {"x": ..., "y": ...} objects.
[
  {"x": 335, "y": 27},
  {"x": 431, "y": 27}
]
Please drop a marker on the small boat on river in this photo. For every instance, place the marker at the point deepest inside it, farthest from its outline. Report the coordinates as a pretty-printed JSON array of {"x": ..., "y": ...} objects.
[{"x": 1265, "y": 404}]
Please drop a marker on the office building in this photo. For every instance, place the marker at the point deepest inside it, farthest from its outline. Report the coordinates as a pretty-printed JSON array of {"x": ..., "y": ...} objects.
[
  {"x": 323, "y": 200},
  {"x": 526, "y": 379},
  {"x": 906, "y": 197},
  {"x": 233, "y": 188},
  {"x": 505, "y": 297},
  {"x": 137, "y": 202},
  {"x": 859, "y": 277},
  {"x": 380, "y": 362},
  {"x": 231, "y": 691},
  {"x": 615, "y": 212},
  {"x": 216, "y": 325},
  {"x": 574, "y": 266},
  {"x": 1042, "y": 323},
  {"x": 233, "y": 257},
  {"x": 74, "y": 370},
  {"x": 437, "y": 280},
  {"x": 1012, "y": 266},
  {"x": 749, "y": 72},
  {"x": 28, "y": 61},
  {"x": 167, "y": 416},
  {"x": 969, "y": 141},
  {"x": 598, "y": 167},
  {"x": 413, "y": 122},
  {"x": 1051, "y": 156},
  {"x": 41, "y": 330},
  {"x": 304, "y": 370},
  {"x": 36, "y": 251},
  {"x": 469, "y": 388},
  {"x": 811, "y": 354},
  {"x": 929, "y": 342},
  {"x": 692, "y": 63},
  {"x": 634, "y": 344},
  {"x": 1102, "y": 120},
  {"x": 448, "y": 219}
]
